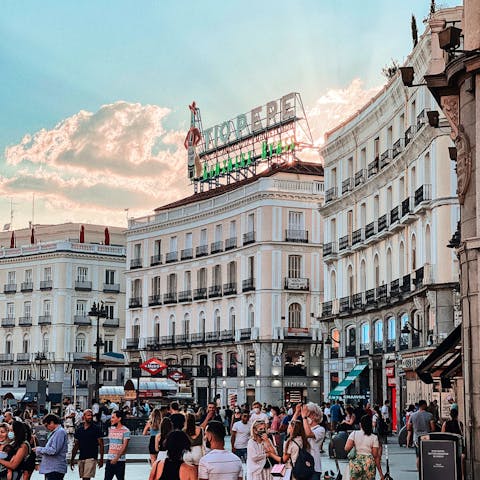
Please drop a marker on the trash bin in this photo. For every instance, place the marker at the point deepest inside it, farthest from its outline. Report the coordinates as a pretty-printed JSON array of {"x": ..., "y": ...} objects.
[{"x": 441, "y": 456}]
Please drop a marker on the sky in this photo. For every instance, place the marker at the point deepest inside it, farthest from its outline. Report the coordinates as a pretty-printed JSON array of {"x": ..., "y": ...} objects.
[{"x": 94, "y": 95}]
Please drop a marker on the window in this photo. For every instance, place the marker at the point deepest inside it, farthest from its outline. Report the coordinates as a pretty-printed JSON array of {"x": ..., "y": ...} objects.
[
  {"x": 109, "y": 277},
  {"x": 333, "y": 230},
  {"x": 11, "y": 278},
  {"x": 333, "y": 177},
  {"x": 136, "y": 329},
  {"x": 10, "y": 310},
  {"x": 28, "y": 276},
  {"x": 391, "y": 331},
  {"x": 389, "y": 199},
  {"x": 27, "y": 309},
  {"x": 81, "y": 308},
  {"x": 350, "y": 167},
  {"x": 218, "y": 233},
  {"x": 349, "y": 223},
  {"x": 389, "y": 265},
  {"x": 401, "y": 126},
  {"x": 295, "y": 315},
  {"x": 389, "y": 137},
  {"x": 156, "y": 286},
  {"x": 232, "y": 319},
  {"x": 187, "y": 280},
  {"x": 201, "y": 323},
  {"x": 82, "y": 274},
  {"x": 47, "y": 308},
  {"x": 26, "y": 344},
  {"x": 414, "y": 253},
  {"x": 376, "y": 148},
  {"x": 7, "y": 376},
  {"x": 232, "y": 272},
  {"x": 216, "y": 321},
  {"x": 363, "y": 158},
  {"x": 363, "y": 215},
  {"x": 251, "y": 316},
  {"x": 45, "y": 374},
  {"x": 251, "y": 267},
  {"x": 81, "y": 375},
  {"x": 186, "y": 324},
  {"x": 108, "y": 345},
  {"x": 8, "y": 344},
  {"x": 172, "y": 283},
  {"x": 351, "y": 336},
  {"x": 296, "y": 221},
  {"x": 428, "y": 258},
  {"x": 333, "y": 284},
  {"x": 172, "y": 325},
  {"x": 47, "y": 274},
  {"x": 365, "y": 336},
  {"x": 413, "y": 113},
  {"x": 137, "y": 288},
  {"x": 401, "y": 189},
  {"x": 156, "y": 327},
  {"x": 376, "y": 268},
  {"x": 218, "y": 370},
  {"x": 251, "y": 222},
  {"x": 80, "y": 343},
  {"x": 378, "y": 332},
  {"x": 413, "y": 180},
  {"x": 427, "y": 170},
  {"x": 202, "y": 278},
  {"x": 137, "y": 250},
  {"x": 173, "y": 244},
  {"x": 217, "y": 275},
  {"x": 203, "y": 236},
  {"x": 335, "y": 347},
  {"x": 376, "y": 207},
  {"x": 251, "y": 364},
  {"x": 233, "y": 229},
  {"x": 401, "y": 260},
  {"x": 24, "y": 375},
  {"x": 107, "y": 375},
  {"x": 232, "y": 364},
  {"x": 188, "y": 240},
  {"x": 157, "y": 248},
  {"x": 294, "y": 266},
  {"x": 45, "y": 343},
  {"x": 351, "y": 281}
]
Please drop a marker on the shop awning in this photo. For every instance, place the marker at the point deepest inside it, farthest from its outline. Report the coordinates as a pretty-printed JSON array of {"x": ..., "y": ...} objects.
[
  {"x": 348, "y": 380},
  {"x": 12, "y": 393},
  {"x": 444, "y": 361},
  {"x": 29, "y": 397},
  {"x": 112, "y": 390},
  {"x": 54, "y": 397}
]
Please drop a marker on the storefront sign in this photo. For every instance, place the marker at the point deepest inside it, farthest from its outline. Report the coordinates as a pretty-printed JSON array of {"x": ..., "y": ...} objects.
[
  {"x": 411, "y": 363},
  {"x": 438, "y": 460},
  {"x": 298, "y": 332},
  {"x": 297, "y": 283},
  {"x": 295, "y": 384},
  {"x": 389, "y": 371}
]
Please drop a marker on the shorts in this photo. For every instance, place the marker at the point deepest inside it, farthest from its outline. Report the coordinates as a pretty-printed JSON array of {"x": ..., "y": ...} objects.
[
  {"x": 87, "y": 468},
  {"x": 151, "y": 446}
]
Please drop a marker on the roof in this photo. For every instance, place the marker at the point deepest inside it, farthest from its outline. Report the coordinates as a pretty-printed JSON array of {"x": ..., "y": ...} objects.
[{"x": 296, "y": 168}]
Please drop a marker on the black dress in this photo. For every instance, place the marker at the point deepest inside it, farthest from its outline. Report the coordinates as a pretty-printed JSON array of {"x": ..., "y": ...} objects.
[{"x": 171, "y": 469}]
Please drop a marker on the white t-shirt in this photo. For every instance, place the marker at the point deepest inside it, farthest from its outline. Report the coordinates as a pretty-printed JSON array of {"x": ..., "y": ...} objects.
[
  {"x": 364, "y": 443},
  {"x": 242, "y": 434},
  {"x": 326, "y": 411},
  {"x": 259, "y": 416},
  {"x": 385, "y": 412},
  {"x": 69, "y": 409},
  {"x": 220, "y": 465},
  {"x": 316, "y": 444}
]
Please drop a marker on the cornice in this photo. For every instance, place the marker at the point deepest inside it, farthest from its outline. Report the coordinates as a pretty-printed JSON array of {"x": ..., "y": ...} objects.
[{"x": 62, "y": 254}]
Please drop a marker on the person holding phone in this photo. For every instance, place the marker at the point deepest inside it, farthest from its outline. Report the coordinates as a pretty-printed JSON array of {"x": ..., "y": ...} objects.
[{"x": 259, "y": 450}]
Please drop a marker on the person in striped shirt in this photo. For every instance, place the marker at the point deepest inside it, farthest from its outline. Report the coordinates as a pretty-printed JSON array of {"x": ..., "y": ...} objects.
[
  {"x": 218, "y": 463},
  {"x": 118, "y": 438}
]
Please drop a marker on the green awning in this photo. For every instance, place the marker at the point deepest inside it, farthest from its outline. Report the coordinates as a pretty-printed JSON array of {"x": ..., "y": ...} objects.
[{"x": 348, "y": 380}]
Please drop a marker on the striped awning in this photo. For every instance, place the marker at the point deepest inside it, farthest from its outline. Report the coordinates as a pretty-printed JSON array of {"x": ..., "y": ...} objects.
[{"x": 348, "y": 380}]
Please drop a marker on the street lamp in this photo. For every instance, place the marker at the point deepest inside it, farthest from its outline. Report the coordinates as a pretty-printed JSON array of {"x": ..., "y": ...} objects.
[
  {"x": 97, "y": 312},
  {"x": 406, "y": 329}
]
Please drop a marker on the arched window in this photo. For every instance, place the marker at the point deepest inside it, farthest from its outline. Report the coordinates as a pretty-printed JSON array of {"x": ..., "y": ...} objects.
[
  {"x": 377, "y": 336},
  {"x": 251, "y": 316},
  {"x": 171, "y": 325},
  {"x": 216, "y": 321},
  {"x": 335, "y": 339},
  {"x": 427, "y": 170},
  {"x": 351, "y": 335},
  {"x": 364, "y": 338},
  {"x": 403, "y": 336},
  {"x": 294, "y": 315},
  {"x": 232, "y": 319},
  {"x": 414, "y": 253},
  {"x": 363, "y": 276},
  {"x": 333, "y": 284},
  {"x": 45, "y": 343},
  {"x": 26, "y": 343},
  {"x": 376, "y": 267},
  {"x": 232, "y": 364},
  {"x": 351, "y": 285},
  {"x": 186, "y": 362},
  {"x": 156, "y": 323},
  {"x": 186, "y": 324},
  {"x": 391, "y": 333},
  {"x": 201, "y": 323},
  {"x": 428, "y": 247},
  {"x": 137, "y": 288},
  {"x": 389, "y": 265},
  {"x": 136, "y": 329},
  {"x": 218, "y": 360},
  {"x": 80, "y": 343},
  {"x": 401, "y": 260}
]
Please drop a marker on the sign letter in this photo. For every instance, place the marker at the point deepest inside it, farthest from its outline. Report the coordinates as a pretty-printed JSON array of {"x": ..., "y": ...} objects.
[{"x": 288, "y": 106}]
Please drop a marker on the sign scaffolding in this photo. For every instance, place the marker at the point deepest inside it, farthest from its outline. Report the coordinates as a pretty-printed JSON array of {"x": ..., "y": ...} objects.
[{"x": 251, "y": 142}]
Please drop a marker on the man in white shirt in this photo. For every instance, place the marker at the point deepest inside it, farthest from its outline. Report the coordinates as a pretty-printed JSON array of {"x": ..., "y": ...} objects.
[
  {"x": 257, "y": 414},
  {"x": 218, "y": 463},
  {"x": 240, "y": 436},
  {"x": 385, "y": 411}
]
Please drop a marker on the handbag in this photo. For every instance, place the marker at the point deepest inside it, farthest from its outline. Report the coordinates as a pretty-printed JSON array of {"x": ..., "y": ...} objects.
[{"x": 278, "y": 470}]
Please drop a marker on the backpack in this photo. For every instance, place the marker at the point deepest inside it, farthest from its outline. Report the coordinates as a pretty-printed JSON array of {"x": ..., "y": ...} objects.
[
  {"x": 304, "y": 467},
  {"x": 382, "y": 427}
]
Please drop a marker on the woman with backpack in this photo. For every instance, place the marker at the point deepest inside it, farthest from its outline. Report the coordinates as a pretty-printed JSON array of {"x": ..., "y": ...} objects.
[
  {"x": 296, "y": 441},
  {"x": 22, "y": 449}
]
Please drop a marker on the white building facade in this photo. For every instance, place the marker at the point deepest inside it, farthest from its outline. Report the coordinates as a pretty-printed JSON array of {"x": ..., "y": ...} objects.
[
  {"x": 48, "y": 285},
  {"x": 390, "y": 211},
  {"x": 231, "y": 280}
]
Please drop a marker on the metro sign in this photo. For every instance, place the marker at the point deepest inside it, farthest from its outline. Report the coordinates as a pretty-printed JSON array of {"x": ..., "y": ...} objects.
[
  {"x": 176, "y": 376},
  {"x": 153, "y": 366}
]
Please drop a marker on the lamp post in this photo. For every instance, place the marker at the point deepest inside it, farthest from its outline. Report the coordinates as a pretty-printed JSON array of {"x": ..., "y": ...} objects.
[{"x": 97, "y": 312}]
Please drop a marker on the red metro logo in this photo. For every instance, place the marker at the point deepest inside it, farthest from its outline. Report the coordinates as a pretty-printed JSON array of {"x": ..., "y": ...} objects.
[{"x": 153, "y": 366}]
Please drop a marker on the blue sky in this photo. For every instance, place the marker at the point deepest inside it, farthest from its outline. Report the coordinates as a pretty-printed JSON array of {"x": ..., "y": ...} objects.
[{"x": 58, "y": 58}]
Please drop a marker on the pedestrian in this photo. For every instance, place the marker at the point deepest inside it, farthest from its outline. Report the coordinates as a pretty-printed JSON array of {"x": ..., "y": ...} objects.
[
  {"x": 177, "y": 418},
  {"x": 152, "y": 428},
  {"x": 69, "y": 421},
  {"x": 173, "y": 466},
  {"x": 229, "y": 415},
  {"x": 367, "y": 458},
  {"x": 7, "y": 448},
  {"x": 380, "y": 428},
  {"x": 408, "y": 414},
  {"x": 257, "y": 414},
  {"x": 350, "y": 419},
  {"x": 165, "y": 428},
  {"x": 17, "y": 451},
  {"x": 210, "y": 415},
  {"x": 259, "y": 450},
  {"x": 296, "y": 441},
  {"x": 118, "y": 438},
  {"x": 30, "y": 461},
  {"x": 218, "y": 463},
  {"x": 455, "y": 426},
  {"x": 335, "y": 415},
  {"x": 240, "y": 436},
  {"x": 89, "y": 441},
  {"x": 275, "y": 424},
  {"x": 54, "y": 453},
  {"x": 385, "y": 411},
  {"x": 420, "y": 423},
  {"x": 195, "y": 435}
]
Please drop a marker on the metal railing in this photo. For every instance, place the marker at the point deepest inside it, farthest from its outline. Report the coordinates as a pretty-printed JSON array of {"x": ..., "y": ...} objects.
[
  {"x": 44, "y": 319},
  {"x": 357, "y": 236},
  {"x": 185, "y": 296},
  {"x": 155, "y": 260},
  {"x": 298, "y": 236},
  {"x": 372, "y": 168},
  {"x": 394, "y": 217},
  {"x": 330, "y": 194},
  {"x": 111, "y": 287},
  {"x": 344, "y": 242},
  {"x": 382, "y": 223},
  {"x": 423, "y": 194},
  {"x": 248, "y": 284},
  {"x": 249, "y": 237},
  {"x": 135, "y": 302},
  {"x": 215, "y": 291},
  {"x": 201, "y": 251},
  {"x": 46, "y": 285},
  {"x": 83, "y": 285},
  {"x": 230, "y": 288},
  {"x": 216, "y": 247},
  {"x": 171, "y": 257},
  {"x": 155, "y": 299},
  {"x": 347, "y": 185},
  {"x": 26, "y": 286},
  {"x": 169, "y": 297},
  {"x": 200, "y": 293},
  {"x": 135, "y": 263},
  {"x": 186, "y": 254},
  {"x": 230, "y": 243},
  {"x": 359, "y": 177}
]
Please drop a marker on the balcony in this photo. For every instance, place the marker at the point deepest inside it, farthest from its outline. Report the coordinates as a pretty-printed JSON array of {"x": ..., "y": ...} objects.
[
  {"x": 397, "y": 148},
  {"x": 197, "y": 337},
  {"x": 25, "y": 321},
  {"x": 302, "y": 284},
  {"x": 391, "y": 344},
  {"x": 385, "y": 158},
  {"x": 185, "y": 296},
  {"x": 23, "y": 357},
  {"x": 395, "y": 288},
  {"x": 344, "y": 243},
  {"x": 10, "y": 288},
  {"x": 334, "y": 351},
  {"x": 135, "y": 263},
  {"x": 409, "y": 134},
  {"x": 422, "y": 194},
  {"x": 167, "y": 341},
  {"x": 329, "y": 248},
  {"x": 330, "y": 194},
  {"x": 230, "y": 243},
  {"x": 186, "y": 254},
  {"x": 171, "y": 257},
  {"x": 46, "y": 285},
  {"x": 407, "y": 284},
  {"x": 201, "y": 251},
  {"x": 111, "y": 287},
  {"x": 347, "y": 185},
  {"x": 406, "y": 207},
  {"x": 394, "y": 216},
  {"x": 421, "y": 119},
  {"x": 83, "y": 285},
  {"x": 212, "y": 336},
  {"x": 245, "y": 333},
  {"x": 357, "y": 300},
  {"x": 111, "y": 323},
  {"x": 248, "y": 238},
  {"x": 182, "y": 339},
  {"x": 372, "y": 168},
  {"x": 232, "y": 372},
  {"x": 216, "y": 247},
  {"x": 156, "y": 260},
  {"x": 327, "y": 308},
  {"x": 6, "y": 358},
  {"x": 403, "y": 342},
  {"x": 415, "y": 340},
  {"x": 357, "y": 237},
  {"x": 418, "y": 281},
  {"x": 381, "y": 293},
  {"x": 44, "y": 319},
  {"x": 230, "y": 288},
  {"x": 227, "y": 335},
  {"x": 154, "y": 300},
  {"x": 370, "y": 298},
  {"x": 369, "y": 230},
  {"x": 359, "y": 177},
  {"x": 81, "y": 320},
  {"x": 152, "y": 343},
  {"x": 200, "y": 294},
  {"x": 377, "y": 346},
  {"x": 382, "y": 223},
  {"x": 169, "y": 298},
  {"x": 215, "y": 291},
  {"x": 135, "y": 302},
  {"x": 8, "y": 322},
  {"x": 364, "y": 348},
  {"x": 131, "y": 343},
  {"x": 345, "y": 305},
  {"x": 26, "y": 287},
  {"x": 350, "y": 351},
  {"x": 296, "y": 236},
  {"x": 248, "y": 285}
]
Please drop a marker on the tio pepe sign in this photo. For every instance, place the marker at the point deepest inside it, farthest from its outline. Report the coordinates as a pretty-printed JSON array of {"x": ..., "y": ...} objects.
[{"x": 153, "y": 366}]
